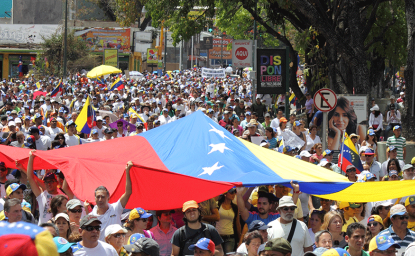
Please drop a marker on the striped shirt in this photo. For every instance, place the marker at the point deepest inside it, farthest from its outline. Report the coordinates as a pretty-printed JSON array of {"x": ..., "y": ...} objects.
[
  {"x": 409, "y": 238},
  {"x": 399, "y": 143}
]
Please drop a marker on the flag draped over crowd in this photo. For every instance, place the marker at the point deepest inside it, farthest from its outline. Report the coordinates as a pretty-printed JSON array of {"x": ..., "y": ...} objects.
[{"x": 193, "y": 154}]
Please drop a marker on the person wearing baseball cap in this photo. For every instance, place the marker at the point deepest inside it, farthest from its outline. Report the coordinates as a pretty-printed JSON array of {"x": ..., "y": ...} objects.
[
  {"x": 410, "y": 208},
  {"x": 64, "y": 247},
  {"x": 398, "y": 142},
  {"x": 143, "y": 247},
  {"x": 115, "y": 236},
  {"x": 399, "y": 229},
  {"x": 137, "y": 222},
  {"x": 408, "y": 172},
  {"x": 349, "y": 211},
  {"x": 381, "y": 245},
  {"x": 192, "y": 219},
  {"x": 90, "y": 229},
  {"x": 375, "y": 166},
  {"x": 374, "y": 225},
  {"x": 336, "y": 252},
  {"x": 204, "y": 246},
  {"x": 75, "y": 211},
  {"x": 278, "y": 246}
]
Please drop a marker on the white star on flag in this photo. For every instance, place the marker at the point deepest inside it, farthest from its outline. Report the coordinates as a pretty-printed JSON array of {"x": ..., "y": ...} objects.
[
  {"x": 220, "y": 133},
  {"x": 218, "y": 147},
  {"x": 210, "y": 170}
]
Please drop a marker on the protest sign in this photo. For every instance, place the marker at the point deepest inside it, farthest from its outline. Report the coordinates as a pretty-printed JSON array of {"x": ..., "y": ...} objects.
[{"x": 210, "y": 72}]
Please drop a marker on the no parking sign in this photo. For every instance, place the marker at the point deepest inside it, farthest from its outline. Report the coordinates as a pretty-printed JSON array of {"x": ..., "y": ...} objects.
[{"x": 325, "y": 100}]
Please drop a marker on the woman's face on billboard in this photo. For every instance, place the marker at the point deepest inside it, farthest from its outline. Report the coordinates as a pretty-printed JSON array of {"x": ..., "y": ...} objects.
[{"x": 340, "y": 118}]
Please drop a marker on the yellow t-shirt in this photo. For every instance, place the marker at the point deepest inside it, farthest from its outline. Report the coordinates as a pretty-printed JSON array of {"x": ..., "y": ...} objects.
[
  {"x": 348, "y": 222},
  {"x": 411, "y": 225}
]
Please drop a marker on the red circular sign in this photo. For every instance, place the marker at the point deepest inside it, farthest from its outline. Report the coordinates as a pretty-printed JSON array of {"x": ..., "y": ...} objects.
[{"x": 241, "y": 53}]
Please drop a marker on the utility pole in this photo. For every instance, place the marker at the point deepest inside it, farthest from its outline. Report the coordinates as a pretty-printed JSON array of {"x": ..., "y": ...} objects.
[
  {"x": 253, "y": 94},
  {"x": 65, "y": 39},
  {"x": 191, "y": 61},
  {"x": 165, "y": 50}
]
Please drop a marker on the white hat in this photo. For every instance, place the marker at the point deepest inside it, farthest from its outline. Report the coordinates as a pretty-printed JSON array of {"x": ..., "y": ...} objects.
[
  {"x": 114, "y": 228},
  {"x": 323, "y": 162},
  {"x": 18, "y": 120},
  {"x": 99, "y": 118},
  {"x": 402, "y": 93},
  {"x": 286, "y": 201},
  {"x": 63, "y": 215},
  {"x": 375, "y": 108},
  {"x": 12, "y": 123},
  {"x": 305, "y": 153}
]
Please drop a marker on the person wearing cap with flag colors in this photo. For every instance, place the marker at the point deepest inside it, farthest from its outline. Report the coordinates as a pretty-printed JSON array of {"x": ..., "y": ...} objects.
[
  {"x": 44, "y": 198},
  {"x": 15, "y": 191},
  {"x": 336, "y": 252},
  {"x": 382, "y": 245},
  {"x": 27, "y": 239},
  {"x": 143, "y": 247},
  {"x": 398, "y": 142},
  {"x": 137, "y": 222},
  {"x": 375, "y": 166},
  {"x": 203, "y": 247},
  {"x": 399, "y": 229},
  {"x": 193, "y": 230},
  {"x": 90, "y": 245},
  {"x": 410, "y": 208}
]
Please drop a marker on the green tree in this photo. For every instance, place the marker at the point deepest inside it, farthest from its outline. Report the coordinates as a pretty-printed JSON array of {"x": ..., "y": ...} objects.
[{"x": 50, "y": 58}]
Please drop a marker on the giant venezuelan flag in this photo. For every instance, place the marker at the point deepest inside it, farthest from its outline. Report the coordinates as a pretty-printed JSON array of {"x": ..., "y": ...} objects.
[
  {"x": 86, "y": 119},
  {"x": 194, "y": 158}
]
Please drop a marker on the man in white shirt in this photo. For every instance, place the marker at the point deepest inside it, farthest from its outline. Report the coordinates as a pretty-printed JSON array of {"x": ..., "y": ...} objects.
[
  {"x": 275, "y": 123},
  {"x": 71, "y": 138},
  {"x": 99, "y": 127},
  {"x": 53, "y": 130},
  {"x": 42, "y": 142},
  {"x": 43, "y": 198},
  {"x": 89, "y": 229},
  {"x": 111, "y": 213},
  {"x": 300, "y": 241},
  {"x": 164, "y": 118}
]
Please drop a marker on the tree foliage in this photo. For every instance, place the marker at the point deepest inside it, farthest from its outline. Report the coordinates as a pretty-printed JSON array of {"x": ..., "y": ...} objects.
[{"x": 50, "y": 58}]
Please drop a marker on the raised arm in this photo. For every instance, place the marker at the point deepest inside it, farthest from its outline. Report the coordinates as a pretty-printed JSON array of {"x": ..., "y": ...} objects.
[
  {"x": 241, "y": 205},
  {"x": 128, "y": 188},
  {"x": 296, "y": 191},
  {"x": 35, "y": 188}
]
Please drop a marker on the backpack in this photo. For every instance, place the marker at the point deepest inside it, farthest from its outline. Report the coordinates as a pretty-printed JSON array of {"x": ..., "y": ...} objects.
[{"x": 183, "y": 239}]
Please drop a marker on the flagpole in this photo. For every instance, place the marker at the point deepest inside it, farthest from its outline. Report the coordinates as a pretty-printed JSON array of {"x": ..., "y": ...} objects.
[{"x": 342, "y": 154}]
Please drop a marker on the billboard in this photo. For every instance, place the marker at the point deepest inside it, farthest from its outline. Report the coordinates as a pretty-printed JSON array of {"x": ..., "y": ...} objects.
[
  {"x": 242, "y": 53},
  {"x": 25, "y": 34},
  {"x": 99, "y": 39},
  {"x": 271, "y": 71},
  {"x": 111, "y": 57},
  {"x": 152, "y": 57}
]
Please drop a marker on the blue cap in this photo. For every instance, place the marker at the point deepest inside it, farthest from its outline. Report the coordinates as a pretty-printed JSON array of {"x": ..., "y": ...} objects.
[
  {"x": 369, "y": 176},
  {"x": 71, "y": 122},
  {"x": 298, "y": 157},
  {"x": 37, "y": 115},
  {"x": 13, "y": 187},
  {"x": 61, "y": 109},
  {"x": 397, "y": 127},
  {"x": 326, "y": 152},
  {"x": 382, "y": 243},
  {"x": 297, "y": 123},
  {"x": 204, "y": 244},
  {"x": 319, "y": 251},
  {"x": 62, "y": 244},
  {"x": 165, "y": 109},
  {"x": 371, "y": 132},
  {"x": 94, "y": 131},
  {"x": 126, "y": 115},
  {"x": 248, "y": 113},
  {"x": 391, "y": 148},
  {"x": 135, "y": 237},
  {"x": 257, "y": 225},
  {"x": 369, "y": 151},
  {"x": 287, "y": 149}
]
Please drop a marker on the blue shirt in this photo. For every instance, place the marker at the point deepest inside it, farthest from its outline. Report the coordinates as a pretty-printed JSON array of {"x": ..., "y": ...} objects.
[
  {"x": 319, "y": 116},
  {"x": 255, "y": 216}
]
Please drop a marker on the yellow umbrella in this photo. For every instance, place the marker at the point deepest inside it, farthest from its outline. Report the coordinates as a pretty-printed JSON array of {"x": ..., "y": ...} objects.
[{"x": 102, "y": 70}]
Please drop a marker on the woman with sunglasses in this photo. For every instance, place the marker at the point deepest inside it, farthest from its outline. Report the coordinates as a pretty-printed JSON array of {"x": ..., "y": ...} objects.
[
  {"x": 60, "y": 137},
  {"x": 229, "y": 226},
  {"x": 75, "y": 213},
  {"x": 137, "y": 223},
  {"x": 351, "y": 173},
  {"x": 115, "y": 236},
  {"x": 374, "y": 226},
  {"x": 333, "y": 222}
]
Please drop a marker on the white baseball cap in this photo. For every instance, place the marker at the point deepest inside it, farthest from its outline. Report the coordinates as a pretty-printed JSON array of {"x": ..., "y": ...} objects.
[{"x": 114, "y": 228}]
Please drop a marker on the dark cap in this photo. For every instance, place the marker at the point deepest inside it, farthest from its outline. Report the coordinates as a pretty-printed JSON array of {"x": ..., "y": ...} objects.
[
  {"x": 108, "y": 130},
  {"x": 88, "y": 219},
  {"x": 279, "y": 245},
  {"x": 146, "y": 245},
  {"x": 257, "y": 225},
  {"x": 50, "y": 175},
  {"x": 33, "y": 129}
]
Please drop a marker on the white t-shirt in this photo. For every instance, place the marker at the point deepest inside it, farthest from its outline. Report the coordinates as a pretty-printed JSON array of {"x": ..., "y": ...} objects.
[
  {"x": 2, "y": 204},
  {"x": 242, "y": 249},
  {"x": 52, "y": 132},
  {"x": 102, "y": 249},
  {"x": 311, "y": 142},
  {"x": 100, "y": 131},
  {"x": 111, "y": 216},
  {"x": 44, "y": 201},
  {"x": 300, "y": 240},
  {"x": 164, "y": 120},
  {"x": 71, "y": 140},
  {"x": 43, "y": 143},
  {"x": 2, "y": 190}
]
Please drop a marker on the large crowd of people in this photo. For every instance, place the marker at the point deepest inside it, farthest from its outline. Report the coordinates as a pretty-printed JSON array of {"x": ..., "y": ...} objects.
[{"x": 266, "y": 220}]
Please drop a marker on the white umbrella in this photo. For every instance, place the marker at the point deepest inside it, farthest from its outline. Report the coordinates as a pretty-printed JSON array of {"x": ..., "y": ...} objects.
[{"x": 135, "y": 73}]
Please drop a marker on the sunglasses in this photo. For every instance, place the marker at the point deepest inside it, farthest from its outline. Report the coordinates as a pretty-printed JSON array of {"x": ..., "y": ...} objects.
[
  {"x": 375, "y": 224},
  {"x": 3, "y": 170},
  {"x": 285, "y": 209},
  {"x": 118, "y": 235},
  {"x": 92, "y": 228},
  {"x": 75, "y": 211},
  {"x": 119, "y": 125},
  {"x": 403, "y": 217},
  {"x": 351, "y": 170}
]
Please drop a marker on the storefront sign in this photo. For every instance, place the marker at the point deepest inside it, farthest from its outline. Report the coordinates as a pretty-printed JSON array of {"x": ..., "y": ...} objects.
[{"x": 271, "y": 75}]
